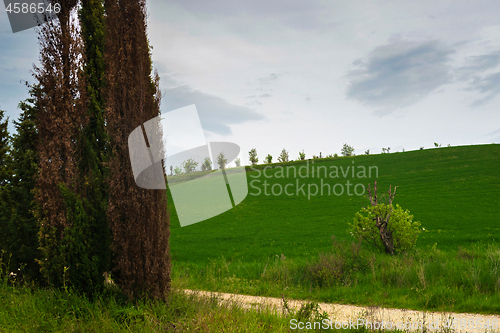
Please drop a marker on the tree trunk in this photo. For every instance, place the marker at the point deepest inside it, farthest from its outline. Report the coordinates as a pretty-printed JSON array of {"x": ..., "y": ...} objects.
[
  {"x": 382, "y": 223},
  {"x": 386, "y": 237}
]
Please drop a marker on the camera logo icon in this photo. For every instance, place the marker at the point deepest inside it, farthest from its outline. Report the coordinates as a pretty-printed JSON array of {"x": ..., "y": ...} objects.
[{"x": 169, "y": 140}]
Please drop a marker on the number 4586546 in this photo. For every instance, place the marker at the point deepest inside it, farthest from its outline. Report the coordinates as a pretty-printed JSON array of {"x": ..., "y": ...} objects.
[{"x": 33, "y": 8}]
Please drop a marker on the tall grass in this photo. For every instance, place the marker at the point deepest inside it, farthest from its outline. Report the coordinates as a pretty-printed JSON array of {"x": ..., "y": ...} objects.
[
  {"x": 25, "y": 307},
  {"x": 464, "y": 280}
]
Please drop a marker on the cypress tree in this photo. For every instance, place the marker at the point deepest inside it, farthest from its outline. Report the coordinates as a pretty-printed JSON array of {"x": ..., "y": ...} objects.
[
  {"x": 75, "y": 114},
  {"x": 92, "y": 147},
  {"x": 23, "y": 236},
  {"x": 59, "y": 121},
  {"x": 74, "y": 235},
  {"x": 138, "y": 217}
]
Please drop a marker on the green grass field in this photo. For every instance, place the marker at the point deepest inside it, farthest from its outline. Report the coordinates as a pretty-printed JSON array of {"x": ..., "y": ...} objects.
[{"x": 454, "y": 192}]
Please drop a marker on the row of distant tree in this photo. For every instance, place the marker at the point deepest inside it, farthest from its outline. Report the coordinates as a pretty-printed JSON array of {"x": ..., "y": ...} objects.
[
  {"x": 347, "y": 150},
  {"x": 284, "y": 156},
  {"x": 190, "y": 165}
]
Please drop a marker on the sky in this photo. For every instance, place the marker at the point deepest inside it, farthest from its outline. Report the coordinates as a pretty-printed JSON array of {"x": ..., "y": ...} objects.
[{"x": 312, "y": 75}]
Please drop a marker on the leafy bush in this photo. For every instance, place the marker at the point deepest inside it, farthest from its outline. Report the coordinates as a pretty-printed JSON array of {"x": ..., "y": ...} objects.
[
  {"x": 268, "y": 159},
  {"x": 237, "y": 162},
  {"x": 177, "y": 170},
  {"x": 207, "y": 164},
  {"x": 252, "y": 156},
  {"x": 347, "y": 150},
  {"x": 189, "y": 165},
  {"x": 302, "y": 155},
  {"x": 283, "y": 156},
  {"x": 404, "y": 230}
]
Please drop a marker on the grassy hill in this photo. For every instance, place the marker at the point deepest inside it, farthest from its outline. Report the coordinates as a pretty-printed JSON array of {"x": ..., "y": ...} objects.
[{"x": 454, "y": 192}]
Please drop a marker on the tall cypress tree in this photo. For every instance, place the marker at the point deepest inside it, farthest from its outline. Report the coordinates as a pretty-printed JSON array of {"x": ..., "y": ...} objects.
[
  {"x": 59, "y": 121},
  {"x": 23, "y": 229},
  {"x": 138, "y": 217},
  {"x": 74, "y": 120},
  {"x": 92, "y": 147},
  {"x": 74, "y": 234}
]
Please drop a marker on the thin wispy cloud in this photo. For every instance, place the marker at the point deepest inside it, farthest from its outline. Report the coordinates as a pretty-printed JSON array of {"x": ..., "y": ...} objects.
[
  {"x": 399, "y": 74},
  {"x": 477, "y": 71},
  {"x": 479, "y": 64},
  {"x": 268, "y": 79},
  {"x": 488, "y": 85},
  {"x": 216, "y": 114},
  {"x": 263, "y": 88}
]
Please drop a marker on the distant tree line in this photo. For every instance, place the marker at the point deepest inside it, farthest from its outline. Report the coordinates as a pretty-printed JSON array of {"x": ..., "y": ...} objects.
[
  {"x": 347, "y": 150},
  {"x": 190, "y": 165},
  {"x": 285, "y": 156}
]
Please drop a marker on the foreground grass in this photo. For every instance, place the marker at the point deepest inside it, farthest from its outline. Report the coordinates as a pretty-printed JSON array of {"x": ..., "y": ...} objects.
[
  {"x": 344, "y": 272},
  {"x": 25, "y": 309},
  {"x": 37, "y": 310},
  {"x": 464, "y": 280}
]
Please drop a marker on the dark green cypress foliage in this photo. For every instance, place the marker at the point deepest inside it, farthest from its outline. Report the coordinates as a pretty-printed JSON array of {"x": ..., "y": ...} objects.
[
  {"x": 23, "y": 242},
  {"x": 92, "y": 146},
  {"x": 82, "y": 257},
  {"x": 71, "y": 194},
  {"x": 4, "y": 149},
  {"x": 5, "y": 175}
]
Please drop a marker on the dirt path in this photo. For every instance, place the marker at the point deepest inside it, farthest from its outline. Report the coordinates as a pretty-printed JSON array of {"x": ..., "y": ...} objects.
[{"x": 353, "y": 316}]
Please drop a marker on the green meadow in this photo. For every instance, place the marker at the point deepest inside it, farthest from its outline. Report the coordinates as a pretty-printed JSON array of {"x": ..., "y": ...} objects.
[
  {"x": 276, "y": 243},
  {"x": 282, "y": 245}
]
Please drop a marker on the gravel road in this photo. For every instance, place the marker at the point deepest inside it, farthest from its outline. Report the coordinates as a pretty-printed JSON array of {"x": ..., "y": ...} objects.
[{"x": 344, "y": 316}]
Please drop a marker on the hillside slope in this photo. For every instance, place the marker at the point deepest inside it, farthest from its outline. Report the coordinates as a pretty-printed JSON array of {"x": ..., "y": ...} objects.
[{"x": 454, "y": 192}]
